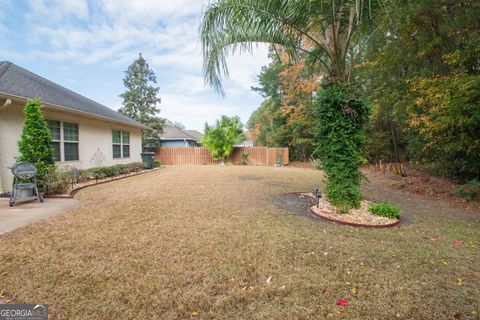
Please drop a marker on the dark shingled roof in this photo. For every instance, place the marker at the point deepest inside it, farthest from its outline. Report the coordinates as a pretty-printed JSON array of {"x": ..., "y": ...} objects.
[{"x": 19, "y": 82}]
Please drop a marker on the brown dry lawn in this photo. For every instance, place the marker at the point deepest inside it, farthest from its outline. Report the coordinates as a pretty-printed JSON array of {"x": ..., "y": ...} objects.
[{"x": 200, "y": 242}]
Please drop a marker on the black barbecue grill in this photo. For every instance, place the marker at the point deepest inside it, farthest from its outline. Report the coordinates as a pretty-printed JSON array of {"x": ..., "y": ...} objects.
[{"x": 24, "y": 183}]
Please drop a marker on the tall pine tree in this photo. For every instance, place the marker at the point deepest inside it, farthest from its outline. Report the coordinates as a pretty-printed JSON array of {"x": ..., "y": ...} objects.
[{"x": 141, "y": 98}]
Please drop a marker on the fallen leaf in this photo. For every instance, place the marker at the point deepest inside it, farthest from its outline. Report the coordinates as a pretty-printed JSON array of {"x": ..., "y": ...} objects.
[
  {"x": 194, "y": 314},
  {"x": 269, "y": 279},
  {"x": 457, "y": 243},
  {"x": 342, "y": 302},
  {"x": 354, "y": 290}
]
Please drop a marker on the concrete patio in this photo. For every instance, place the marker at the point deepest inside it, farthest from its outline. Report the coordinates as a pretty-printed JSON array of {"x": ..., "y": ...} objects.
[{"x": 24, "y": 213}]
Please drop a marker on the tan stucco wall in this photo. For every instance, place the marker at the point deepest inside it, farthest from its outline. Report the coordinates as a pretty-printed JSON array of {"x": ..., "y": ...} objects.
[{"x": 94, "y": 135}]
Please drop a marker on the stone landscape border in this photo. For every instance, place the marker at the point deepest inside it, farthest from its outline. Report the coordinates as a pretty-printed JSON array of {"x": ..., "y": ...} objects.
[
  {"x": 72, "y": 193},
  {"x": 357, "y": 225}
]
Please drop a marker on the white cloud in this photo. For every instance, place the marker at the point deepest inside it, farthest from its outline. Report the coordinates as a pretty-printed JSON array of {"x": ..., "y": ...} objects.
[
  {"x": 59, "y": 10},
  {"x": 112, "y": 33},
  {"x": 194, "y": 113}
]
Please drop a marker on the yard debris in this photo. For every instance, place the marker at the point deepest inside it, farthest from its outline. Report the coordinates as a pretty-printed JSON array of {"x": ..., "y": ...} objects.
[
  {"x": 269, "y": 279},
  {"x": 457, "y": 244},
  {"x": 342, "y": 302}
]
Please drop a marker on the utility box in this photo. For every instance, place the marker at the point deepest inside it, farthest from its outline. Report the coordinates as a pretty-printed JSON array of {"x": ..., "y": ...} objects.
[{"x": 148, "y": 159}]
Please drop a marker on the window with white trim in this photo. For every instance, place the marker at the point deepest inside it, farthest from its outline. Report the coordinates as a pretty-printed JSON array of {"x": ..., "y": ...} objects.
[
  {"x": 64, "y": 134},
  {"x": 70, "y": 141},
  {"x": 55, "y": 130},
  {"x": 120, "y": 144}
]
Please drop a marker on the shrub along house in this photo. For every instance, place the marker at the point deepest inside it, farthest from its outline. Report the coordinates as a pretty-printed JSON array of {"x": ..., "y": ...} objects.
[{"x": 84, "y": 133}]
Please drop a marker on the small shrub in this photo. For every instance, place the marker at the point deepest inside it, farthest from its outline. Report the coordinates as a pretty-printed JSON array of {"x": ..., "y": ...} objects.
[
  {"x": 58, "y": 182},
  {"x": 317, "y": 164},
  {"x": 157, "y": 163},
  {"x": 61, "y": 180},
  {"x": 470, "y": 192},
  {"x": 135, "y": 166},
  {"x": 245, "y": 157},
  {"x": 385, "y": 210}
]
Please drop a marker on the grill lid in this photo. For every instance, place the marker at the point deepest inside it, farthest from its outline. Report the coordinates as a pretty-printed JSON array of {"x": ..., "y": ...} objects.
[{"x": 24, "y": 170}]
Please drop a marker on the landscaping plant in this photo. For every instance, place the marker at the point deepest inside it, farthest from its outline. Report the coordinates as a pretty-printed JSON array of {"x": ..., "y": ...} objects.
[
  {"x": 385, "y": 210},
  {"x": 35, "y": 142},
  {"x": 220, "y": 138},
  {"x": 340, "y": 139},
  {"x": 245, "y": 157},
  {"x": 470, "y": 192}
]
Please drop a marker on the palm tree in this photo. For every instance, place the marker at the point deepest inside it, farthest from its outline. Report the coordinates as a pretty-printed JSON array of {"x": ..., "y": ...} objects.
[
  {"x": 322, "y": 32},
  {"x": 221, "y": 138}
]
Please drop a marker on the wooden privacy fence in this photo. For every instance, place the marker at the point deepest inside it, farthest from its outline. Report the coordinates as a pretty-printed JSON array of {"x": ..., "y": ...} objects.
[{"x": 257, "y": 156}]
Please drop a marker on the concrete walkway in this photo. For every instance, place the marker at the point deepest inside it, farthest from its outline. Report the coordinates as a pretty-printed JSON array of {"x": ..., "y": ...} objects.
[{"x": 24, "y": 213}]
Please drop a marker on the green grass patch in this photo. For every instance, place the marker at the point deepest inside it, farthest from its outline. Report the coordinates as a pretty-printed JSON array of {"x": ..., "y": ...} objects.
[{"x": 385, "y": 210}]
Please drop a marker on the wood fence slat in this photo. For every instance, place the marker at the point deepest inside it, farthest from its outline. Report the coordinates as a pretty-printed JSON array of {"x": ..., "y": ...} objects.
[{"x": 258, "y": 156}]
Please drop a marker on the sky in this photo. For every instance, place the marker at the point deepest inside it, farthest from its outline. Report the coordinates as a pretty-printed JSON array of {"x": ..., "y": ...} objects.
[{"x": 86, "y": 46}]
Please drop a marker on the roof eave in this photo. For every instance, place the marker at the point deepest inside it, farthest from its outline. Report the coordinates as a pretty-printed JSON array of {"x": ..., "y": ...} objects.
[{"x": 54, "y": 106}]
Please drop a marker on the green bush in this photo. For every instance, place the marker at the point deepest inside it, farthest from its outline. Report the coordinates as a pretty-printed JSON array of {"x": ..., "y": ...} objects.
[
  {"x": 35, "y": 143},
  {"x": 245, "y": 156},
  {"x": 470, "y": 192},
  {"x": 316, "y": 163},
  {"x": 135, "y": 166},
  {"x": 340, "y": 140},
  {"x": 157, "y": 163},
  {"x": 385, "y": 210},
  {"x": 61, "y": 180},
  {"x": 221, "y": 138}
]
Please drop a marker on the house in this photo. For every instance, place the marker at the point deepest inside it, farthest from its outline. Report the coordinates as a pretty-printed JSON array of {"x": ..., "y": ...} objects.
[
  {"x": 84, "y": 133},
  {"x": 175, "y": 137},
  {"x": 249, "y": 140}
]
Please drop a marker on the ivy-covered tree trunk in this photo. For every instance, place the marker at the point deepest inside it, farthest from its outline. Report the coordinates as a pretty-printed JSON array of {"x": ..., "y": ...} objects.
[
  {"x": 340, "y": 138},
  {"x": 35, "y": 144}
]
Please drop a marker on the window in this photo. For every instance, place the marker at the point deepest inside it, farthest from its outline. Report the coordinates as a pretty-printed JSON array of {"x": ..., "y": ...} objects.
[
  {"x": 69, "y": 140},
  {"x": 126, "y": 144},
  {"x": 120, "y": 144},
  {"x": 54, "y": 127}
]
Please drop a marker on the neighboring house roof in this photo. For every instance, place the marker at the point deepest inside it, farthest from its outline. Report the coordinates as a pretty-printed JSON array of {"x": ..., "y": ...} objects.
[
  {"x": 195, "y": 134},
  {"x": 173, "y": 133},
  {"x": 245, "y": 143},
  {"x": 19, "y": 82}
]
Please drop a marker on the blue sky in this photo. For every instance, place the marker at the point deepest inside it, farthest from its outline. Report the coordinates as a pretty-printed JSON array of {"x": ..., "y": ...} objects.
[{"x": 87, "y": 45}]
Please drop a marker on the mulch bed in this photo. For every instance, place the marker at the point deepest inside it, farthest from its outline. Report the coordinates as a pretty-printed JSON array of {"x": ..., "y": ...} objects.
[{"x": 361, "y": 216}]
